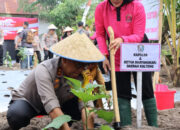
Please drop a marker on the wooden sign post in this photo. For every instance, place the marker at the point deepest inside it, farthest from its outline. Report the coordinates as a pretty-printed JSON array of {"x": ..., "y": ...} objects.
[
  {"x": 139, "y": 57},
  {"x": 139, "y": 99},
  {"x": 29, "y": 52}
]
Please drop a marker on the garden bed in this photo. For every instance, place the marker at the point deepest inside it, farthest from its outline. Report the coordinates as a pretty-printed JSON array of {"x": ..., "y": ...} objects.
[{"x": 167, "y": 120}]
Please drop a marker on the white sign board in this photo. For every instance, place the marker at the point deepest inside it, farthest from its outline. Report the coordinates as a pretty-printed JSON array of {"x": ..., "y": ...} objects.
[
  {"x": 140, "y": 57},
  {"x": 29, "y": 51},
  {"x": 152, "y": 9}
]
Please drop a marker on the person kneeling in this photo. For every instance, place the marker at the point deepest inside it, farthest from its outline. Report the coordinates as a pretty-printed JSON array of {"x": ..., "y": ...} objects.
[{"x": 46, "y": 91}]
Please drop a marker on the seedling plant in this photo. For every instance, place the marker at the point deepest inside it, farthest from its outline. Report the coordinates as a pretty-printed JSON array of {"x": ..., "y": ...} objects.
[{"x": 86, "y": 94}]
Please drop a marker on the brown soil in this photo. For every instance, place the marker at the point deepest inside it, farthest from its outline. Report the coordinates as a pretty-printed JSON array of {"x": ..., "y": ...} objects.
[
  {"x": 167, "y": 120},
  {"x": 15, "y": 66},
  {"x": 165, "y": 80}
]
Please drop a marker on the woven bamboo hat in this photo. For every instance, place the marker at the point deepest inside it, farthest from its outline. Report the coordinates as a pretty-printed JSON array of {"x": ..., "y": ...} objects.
[
  {"x": 52, "y": 26},
  {"x": 78, "y": 47},
  {"x": 68, "y": 29},
  {"x": 33, "y": 30},
  {"x": 19, "y": 30}
]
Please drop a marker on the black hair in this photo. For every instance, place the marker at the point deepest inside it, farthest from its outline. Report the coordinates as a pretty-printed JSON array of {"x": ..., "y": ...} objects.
[
  {"x": 87, "y": 25},
  {"x": 26, "y": 23},
  {"x": 65, "y": 35},
  {"x": 124, "y": 2},
  {"x": 80, "y": 24}
]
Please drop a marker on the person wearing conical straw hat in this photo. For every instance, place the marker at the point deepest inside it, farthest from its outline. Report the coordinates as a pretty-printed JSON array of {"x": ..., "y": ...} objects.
[
  {"x": 128, "y": 20},
  {"x": 37, "y": 45},
  {"x": 67, "y": 32},
  {"x": 45, "y": 91},
  {"x": 48, "y": 40},
  {"x": 19, "y": 45}
]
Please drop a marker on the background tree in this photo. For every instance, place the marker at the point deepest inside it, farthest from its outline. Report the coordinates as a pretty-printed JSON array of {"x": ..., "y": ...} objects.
[
  {"x": 171, "y": 11},
  {"x": 60, "y": 12}
]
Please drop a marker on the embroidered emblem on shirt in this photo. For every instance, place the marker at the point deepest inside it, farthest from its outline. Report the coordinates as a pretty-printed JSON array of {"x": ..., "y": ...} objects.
[{"x": 128, "y": 18}]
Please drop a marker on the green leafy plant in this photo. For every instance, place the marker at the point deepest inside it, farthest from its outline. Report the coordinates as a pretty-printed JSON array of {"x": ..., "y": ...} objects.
[
  {"x": 58, "y": 122},
  {"x": 22, "y": 54},
  {"x": 85, "y": 95},
  {"x": 8, "y": 60}
]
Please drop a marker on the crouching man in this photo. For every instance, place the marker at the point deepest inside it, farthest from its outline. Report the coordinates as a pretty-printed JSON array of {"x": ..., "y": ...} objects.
[{"x": 45, "y": 91}]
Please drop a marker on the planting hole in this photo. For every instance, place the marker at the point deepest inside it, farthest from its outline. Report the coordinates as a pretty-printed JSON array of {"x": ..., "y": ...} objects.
[
  {"x": 4, "y": 82},
  {"x": 7, "y": 95}
]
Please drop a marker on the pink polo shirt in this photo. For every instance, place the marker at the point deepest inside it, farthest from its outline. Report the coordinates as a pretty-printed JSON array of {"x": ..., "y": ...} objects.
[{"x": 130, "y": 28}]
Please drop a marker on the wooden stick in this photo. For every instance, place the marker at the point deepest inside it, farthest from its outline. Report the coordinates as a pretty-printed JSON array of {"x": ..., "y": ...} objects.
[
  {"x": 113, "y": 78},
  {"x": 156, "y": 74}
]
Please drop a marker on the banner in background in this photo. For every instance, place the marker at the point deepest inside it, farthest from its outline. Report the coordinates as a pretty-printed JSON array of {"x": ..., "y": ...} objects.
[
  {"x": 152, "y": 9},
  {"x": 10, "y": 25}
]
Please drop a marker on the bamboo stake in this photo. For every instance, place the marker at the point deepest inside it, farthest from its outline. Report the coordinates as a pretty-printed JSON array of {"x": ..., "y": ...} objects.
[
  {"x": 157, "y": 74},
  {"x": 113, "y": 81}
]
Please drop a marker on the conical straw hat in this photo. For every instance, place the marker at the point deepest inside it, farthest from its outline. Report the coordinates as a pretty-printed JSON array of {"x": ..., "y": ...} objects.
[
  {"x": 19, "y": 30},
  {"x": 78, "y": 47},
  {"x": 33, "y": 30},
  {"x": 52, "y": 26},
  {"x": 67, "y": 29}
]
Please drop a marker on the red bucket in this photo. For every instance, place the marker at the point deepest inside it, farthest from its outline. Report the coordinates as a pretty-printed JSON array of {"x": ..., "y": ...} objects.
[
  {"x": 161, "y": 87},
  {"x": 165, "y": 100}
]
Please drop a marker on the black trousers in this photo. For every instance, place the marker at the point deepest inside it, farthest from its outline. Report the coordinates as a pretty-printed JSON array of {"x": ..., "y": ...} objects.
[
  {"x": 38, "y": 56},
  {"x": 1, "y": 55},
  {"x": 47, "y": 54},
  {"x": 21, "y": 112},
  {"x": 17, "y": 57},
  {"x": 123, "y": 81}
]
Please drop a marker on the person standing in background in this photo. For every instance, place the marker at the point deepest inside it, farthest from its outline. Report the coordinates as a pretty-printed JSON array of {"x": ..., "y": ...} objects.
[
  {"x": 1, "y": 46},
  {"x": 81, "y": 28},
  {"x": 26, "y": 39},
  {"x": 48, "y": 40},
  {"x": 67, "y": 32},
  {"x": 37, "y": 45},
  {"x": 88, "y": 30},
  {"x": 19, "y": 45}
]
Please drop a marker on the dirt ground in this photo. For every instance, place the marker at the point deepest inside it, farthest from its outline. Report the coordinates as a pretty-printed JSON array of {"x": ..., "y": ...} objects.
[
  {"x": 15, "y": 66},
  {"x": 167, "y": 120}
]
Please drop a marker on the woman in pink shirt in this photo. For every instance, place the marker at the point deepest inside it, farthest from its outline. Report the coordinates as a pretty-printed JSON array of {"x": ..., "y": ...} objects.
[{"x": 127, "y": 18}]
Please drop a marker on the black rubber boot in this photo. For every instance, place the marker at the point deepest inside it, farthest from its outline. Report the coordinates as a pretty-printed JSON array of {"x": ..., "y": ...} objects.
[
  {"x": 150, "y": 110},
  {"x": 125, "y": 111}
]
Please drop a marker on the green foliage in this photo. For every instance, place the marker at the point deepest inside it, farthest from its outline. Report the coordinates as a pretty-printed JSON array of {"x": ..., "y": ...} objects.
[
  {"x": 76, "y": 84},
  {"x": 7, "y": 60},
  {"x": 106, "y": 127},
  {"x": 21, "y": 54},
  {"x": 106, "y": 115},
  {"x": 65, "y": 13},
  {"x": 58, "y": 122},
  {"x": 85, "y": 94},
  {"x": 60, "y": 12}
]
